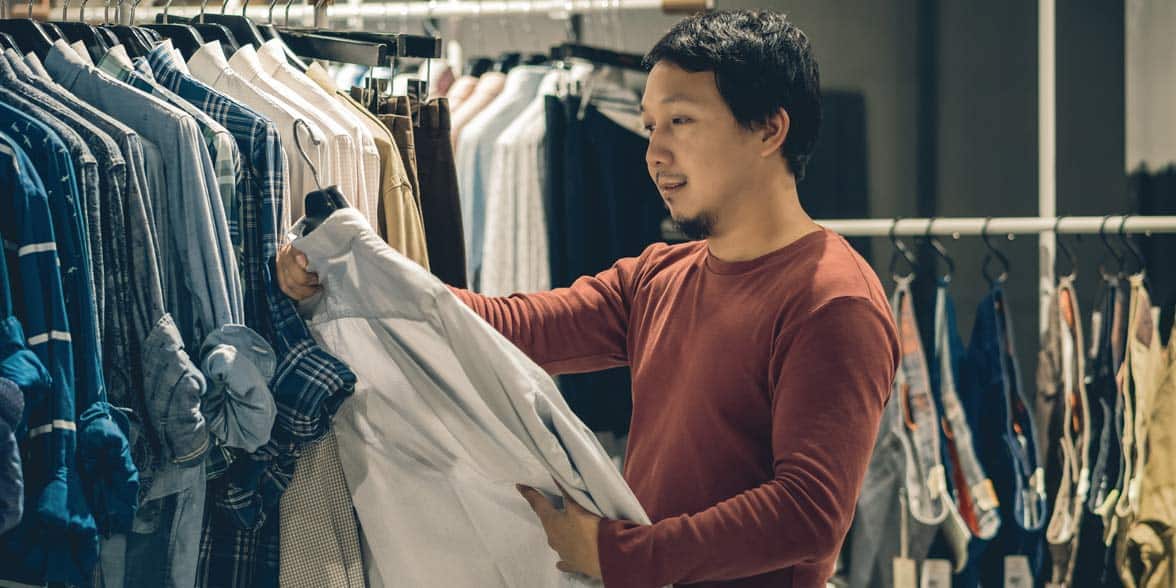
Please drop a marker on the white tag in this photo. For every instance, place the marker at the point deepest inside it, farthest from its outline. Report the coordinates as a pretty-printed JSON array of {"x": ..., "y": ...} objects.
[
  {"x": 936, "y": 574},
  {"x": 904, "y": 573},
  {"x": 1016, "y": 572}
]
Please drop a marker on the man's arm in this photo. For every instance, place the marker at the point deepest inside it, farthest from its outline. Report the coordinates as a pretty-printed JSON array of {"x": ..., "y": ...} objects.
[
  {"x": 832, "y": 380},
  {"x": 567, "y": 330}
]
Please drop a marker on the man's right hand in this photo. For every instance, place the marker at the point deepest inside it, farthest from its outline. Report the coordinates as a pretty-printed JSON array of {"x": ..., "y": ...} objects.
[{"x": 295, "y": 281}]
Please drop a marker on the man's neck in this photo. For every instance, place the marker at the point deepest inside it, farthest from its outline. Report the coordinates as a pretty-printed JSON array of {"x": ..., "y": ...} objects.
[{"x": 768, "y": 225}]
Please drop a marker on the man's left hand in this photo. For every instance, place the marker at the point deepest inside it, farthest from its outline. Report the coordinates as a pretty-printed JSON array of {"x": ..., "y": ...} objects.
[{"x": 571, "y": 532}]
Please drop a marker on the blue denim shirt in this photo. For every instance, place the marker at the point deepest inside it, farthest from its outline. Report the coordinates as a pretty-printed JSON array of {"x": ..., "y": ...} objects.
[
  {"x": 195, "y": 286},
  {"x": 60, "y": 542}
]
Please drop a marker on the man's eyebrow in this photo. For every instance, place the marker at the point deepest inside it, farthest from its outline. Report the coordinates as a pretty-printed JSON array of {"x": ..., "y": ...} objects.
[{"x": 673, "y": 98}]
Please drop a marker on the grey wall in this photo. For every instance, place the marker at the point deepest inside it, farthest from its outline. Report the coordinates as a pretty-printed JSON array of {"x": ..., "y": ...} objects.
[{"x": 951, "y": 100}]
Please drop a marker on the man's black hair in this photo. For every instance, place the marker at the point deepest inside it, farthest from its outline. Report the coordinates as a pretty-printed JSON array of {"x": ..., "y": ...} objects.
[{"x": 762, "y": 62}]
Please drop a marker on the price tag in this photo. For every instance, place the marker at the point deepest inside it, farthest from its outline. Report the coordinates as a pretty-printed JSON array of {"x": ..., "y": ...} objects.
[
  {"x": 936, "y": 574},
  {"x": 1016, "y": 572},
  {"x": 904, "y": 573}
]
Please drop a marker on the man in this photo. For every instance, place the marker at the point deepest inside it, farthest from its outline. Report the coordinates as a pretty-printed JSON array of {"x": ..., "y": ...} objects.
[{"x": 762, "y": 354}]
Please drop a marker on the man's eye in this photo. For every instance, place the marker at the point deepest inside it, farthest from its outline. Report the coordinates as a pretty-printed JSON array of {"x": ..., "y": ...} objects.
[{"x": 680, "y": 120}]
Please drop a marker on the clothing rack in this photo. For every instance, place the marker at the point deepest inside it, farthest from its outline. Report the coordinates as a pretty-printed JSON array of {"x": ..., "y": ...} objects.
[
  {"x": 473, "y": 8},
  {"x": 1018, "y": 225}
]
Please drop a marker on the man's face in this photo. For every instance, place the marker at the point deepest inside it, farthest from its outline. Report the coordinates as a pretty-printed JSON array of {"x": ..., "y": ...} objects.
[{"x": 699, "y": 156}]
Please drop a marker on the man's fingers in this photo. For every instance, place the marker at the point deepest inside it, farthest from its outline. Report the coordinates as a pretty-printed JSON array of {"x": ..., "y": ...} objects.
[
  {"x": 537, "y": 501},
  {"x": 569, "y": 503},
  {"x": 300, "y": 257},
  {"x": 564, "y": 566}
]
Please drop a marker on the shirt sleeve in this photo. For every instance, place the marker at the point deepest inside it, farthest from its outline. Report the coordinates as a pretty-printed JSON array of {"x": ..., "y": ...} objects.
[
  {"x": 832, "y": 378},
  {"x": 581, "y": 328}
]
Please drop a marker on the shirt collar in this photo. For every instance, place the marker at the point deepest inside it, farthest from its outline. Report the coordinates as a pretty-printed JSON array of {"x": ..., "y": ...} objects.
[
  {"x": 244, "y": 61},
  {"x": 271, "y": 56},
  {"x": 65, "y": 64},
  {"x": 209, "y": 63},
  {"x": 319, "y": 75},
  {"x": 35, "y": 64}
]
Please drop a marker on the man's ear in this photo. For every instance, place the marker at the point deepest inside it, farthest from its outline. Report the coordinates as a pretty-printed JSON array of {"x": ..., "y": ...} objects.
[{"x": 773, "y": 131}]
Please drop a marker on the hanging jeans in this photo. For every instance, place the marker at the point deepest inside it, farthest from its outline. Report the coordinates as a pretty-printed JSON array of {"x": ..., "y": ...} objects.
[
  {"x": 1063, "y": 414},
  {"x": 1094, "y": 567},
  {"x": 1006, "y": 440},
  {"x": 440, "y": 202},
  {"x": 904, "y": 499},
  {"x": 975, "y": 497}
]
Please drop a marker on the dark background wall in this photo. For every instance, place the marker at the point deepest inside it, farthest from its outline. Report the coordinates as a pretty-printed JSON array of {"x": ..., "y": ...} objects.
[{"x": 950, "y": 101}]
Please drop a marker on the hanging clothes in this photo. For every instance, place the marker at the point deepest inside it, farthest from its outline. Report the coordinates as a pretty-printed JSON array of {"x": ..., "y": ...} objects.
[
  {"x": 440, "y": 201},
  {"x": 1141, "y": 375},
  {"x": 1063, "y": 418},
  {"x": 1149, "y": 558},
  {"x": 1095, "y": 556},
  {"x": 487, "y": 89},
  {"x": 1006, "y": 441},
  {"x": 445, "y": 425},
  {"x": 905, "y": 491},
  {"x": 975, "y": 519}
]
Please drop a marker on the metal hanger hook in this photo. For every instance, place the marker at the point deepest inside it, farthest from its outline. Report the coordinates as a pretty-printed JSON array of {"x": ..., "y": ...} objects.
[
  {"x": 1065, "y": 249},
  {"x": 1102, "y": 235},
  {"x": 134, "y": 6},
  {"x": 270, "y": 14},
  {"x": 203, "y": 7},
  {"x": 286, "y": 22},
  {"x": 900, "y": 251},
  {"x": 1130, "y": 244},
  {"x": 939, "y": 249},
  {"x": 301, "y": 151},
  {"x": 224, "y": 6},
  {"x": 65, "y": 10},
  {"x": 993, "y": 252},
  {"x": 244, "y": 7},
  {"x": 166, "y": 6}
]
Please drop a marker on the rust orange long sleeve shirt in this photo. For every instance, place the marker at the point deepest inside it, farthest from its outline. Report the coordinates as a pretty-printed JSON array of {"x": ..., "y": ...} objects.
[{"x": 758, "y": 387}]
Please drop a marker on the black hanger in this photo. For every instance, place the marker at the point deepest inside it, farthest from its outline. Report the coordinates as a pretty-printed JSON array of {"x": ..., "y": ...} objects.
[
  {"x": 507, "y": 61},
  {"x": 901, "y": 252},
  {"x": 478, "y": 66},
  {"x": 240, "y": 27},
  {"x": 630, "y": 61},
  {"x": 1071, "y": 258},
  {"x": 7, "y": 42},
  {"x": 320, "y": 203},
  {"x": 27, "y": 34},
  {"x": 1102, "y": 235},
  {"x": 1129, "y": 243},
  {"x": 183, "y": 36},
  {"x": 993, "y": 253},
  {"x": 536, "y": 59},
  {"x": 334, "y": 48},
  {"x": 940, "y": 251}
]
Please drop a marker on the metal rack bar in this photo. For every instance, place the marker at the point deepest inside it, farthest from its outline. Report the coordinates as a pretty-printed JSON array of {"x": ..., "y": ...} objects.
[
  {"x": 471, "y": 8},
  {"x": 961, "y": 226}
]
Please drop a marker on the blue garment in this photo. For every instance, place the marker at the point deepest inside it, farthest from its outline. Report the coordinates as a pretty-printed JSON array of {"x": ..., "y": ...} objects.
[
  {"x": 58, "y": 539},
  {"x": 11, "y": 474},
  {"x": 240, "y": 543},
  {"x": 195, "y": 286},
  {"x": 111, "y": 482},
  {"x": 474, "y": 154},
  {"x": 1005, "y": 439},
  {"x": 254, "y": 221}
]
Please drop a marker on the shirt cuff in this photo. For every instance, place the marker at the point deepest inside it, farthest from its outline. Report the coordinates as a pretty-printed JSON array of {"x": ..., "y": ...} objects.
[{"x": 626, "y": 555}]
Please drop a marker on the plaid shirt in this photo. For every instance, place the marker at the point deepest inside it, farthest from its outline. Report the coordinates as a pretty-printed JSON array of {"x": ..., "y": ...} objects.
[
  {"x": 254, "y": 215},
  {"x": 240, "y": 543}
]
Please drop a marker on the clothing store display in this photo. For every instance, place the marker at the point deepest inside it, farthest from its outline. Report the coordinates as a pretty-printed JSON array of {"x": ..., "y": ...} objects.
[
  {"x": 440, "y": 202},
  {"x": 395, "y": 187},
  {"x": 487, "y": 88},
  {"x": 398, "y": 118},
  {"x": 905, "y": 485},
  {"x": 749, "y": 457},
  {"x": 1063, "y": 417},
  {"x": 473, "y": 158},
  {"x": 357, "y": 141},
  {"x": 1005, "y": 439},
  {"x": 442, "y": 427},
  {"x": 516, "y": 254},
  {"x": 460, "y": 90},
  {"x": 320, "y": 537},
  {"x": 1149, "y": 551}
]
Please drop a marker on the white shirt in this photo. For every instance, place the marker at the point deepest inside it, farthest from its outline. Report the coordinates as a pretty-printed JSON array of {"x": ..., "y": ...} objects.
[
  {"x": 447, "y": 416},
  {"x": 209, "y": 65},
  {"x": 341, "y": 154},
  {"x": 367, "y": 164},
  {"x": 516, "y": 249}
]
